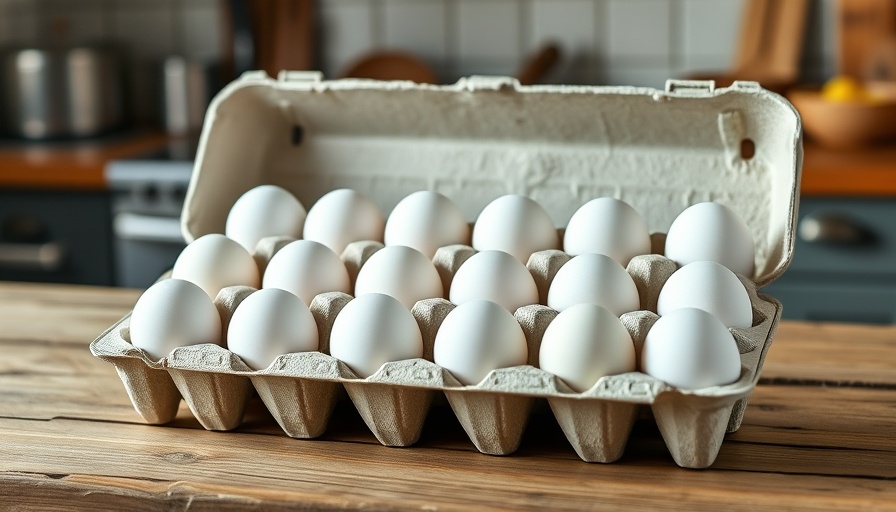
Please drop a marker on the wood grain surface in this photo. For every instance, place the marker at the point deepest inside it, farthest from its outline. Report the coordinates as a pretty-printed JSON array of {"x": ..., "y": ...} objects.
[{"x": 817, "y": 435}]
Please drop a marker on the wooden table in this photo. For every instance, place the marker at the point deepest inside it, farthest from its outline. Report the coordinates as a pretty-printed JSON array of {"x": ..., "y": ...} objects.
[{"x": 820, "y": 433}]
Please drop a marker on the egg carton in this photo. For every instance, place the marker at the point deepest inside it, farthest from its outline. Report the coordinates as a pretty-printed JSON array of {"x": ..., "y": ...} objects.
[
  {"x": 473, "y": 141},
  {"x": 301, "y": 389}
]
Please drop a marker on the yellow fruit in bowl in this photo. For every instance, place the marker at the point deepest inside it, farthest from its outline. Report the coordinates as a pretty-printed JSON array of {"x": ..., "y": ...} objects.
[{"x": 845, "y": 89}]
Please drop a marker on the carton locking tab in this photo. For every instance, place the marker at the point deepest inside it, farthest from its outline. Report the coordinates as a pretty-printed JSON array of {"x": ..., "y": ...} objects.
[
  {"x": 299, "y": 76},
  {"x": 692, "y": 88}
]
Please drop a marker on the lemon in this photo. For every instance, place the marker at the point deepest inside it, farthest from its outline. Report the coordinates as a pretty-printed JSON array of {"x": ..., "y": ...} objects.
[{"x": 845, "y": 89}]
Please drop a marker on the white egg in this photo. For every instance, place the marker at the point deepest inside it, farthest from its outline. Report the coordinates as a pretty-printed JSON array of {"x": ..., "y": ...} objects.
[
  {"x": 264, "y": 211},
  {"x": 400, "y": 272},
  {"x": 711, "y": 287},
  {"x": 583, "y": 344},
  {"x": 173, "y": 313},
  {"x": 607, "y": 226},
  {"x": 306, "y": 269},
  {"x": 690, "y": 349},
  {"x": 426, "y": 221},
  {"x": 516, "y": 225},
  {"x": 213, "y": 262},
  {"x": 596, "y": 279},
  {"x": 495, "y": 276},
  {"x": 372, "y": 330},
  {"x": 270, "y": 323},
  {"x": 341, "y": 217},
  {"x": 714, "y": 232},
  {"x": 477, "y": 337}
]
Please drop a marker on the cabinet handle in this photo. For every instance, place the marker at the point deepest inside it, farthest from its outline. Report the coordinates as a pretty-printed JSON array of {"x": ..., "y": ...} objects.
[
  {"x": 46, "y": 257},
  {"x": 834, "y": 229}
]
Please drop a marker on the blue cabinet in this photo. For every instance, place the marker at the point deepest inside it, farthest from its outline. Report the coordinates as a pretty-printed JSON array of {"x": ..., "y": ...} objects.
[{"x": 844, "y": 265}]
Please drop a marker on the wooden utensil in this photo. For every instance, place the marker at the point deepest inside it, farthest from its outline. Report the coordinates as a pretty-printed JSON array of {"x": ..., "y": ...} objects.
[{"x": 863, "y": 26}]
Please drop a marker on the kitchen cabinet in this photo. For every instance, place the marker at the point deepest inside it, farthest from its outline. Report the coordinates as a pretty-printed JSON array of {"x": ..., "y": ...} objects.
[
  {"x": 56, "y": 236},
  {"x": 844, "y": 265},
  {"x": 844, "y": 262}
]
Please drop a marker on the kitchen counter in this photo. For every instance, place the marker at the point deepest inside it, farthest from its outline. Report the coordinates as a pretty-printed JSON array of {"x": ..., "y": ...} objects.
[
  {"x": 867, "y": 172},
  {"x": 70, "y": 165},
  {"x": 818, "y": 433}
]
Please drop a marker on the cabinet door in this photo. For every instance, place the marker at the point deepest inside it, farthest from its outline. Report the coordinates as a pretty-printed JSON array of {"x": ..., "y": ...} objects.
[
  {"x": 844, "y": 265},
  {"x": 51, "y": 236}
]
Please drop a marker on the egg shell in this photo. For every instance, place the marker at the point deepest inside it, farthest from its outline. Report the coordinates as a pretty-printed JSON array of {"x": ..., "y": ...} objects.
[
  {"x": 691, "y": 349},
  {"x": 306, "y": 268},
  {"x": 173, "y": 313},
  {"x": 264, "y": 211},
  {"x": 343, "y": 216},
  {"x": 606, "y": 225},
  {"x": 477, "y": 337},
  {"x": 711, "y": 231},
  {"x": 270, "y": 323},
  {"x": 516, "y": 225},
  {"x": 372, "y": 330},
  {"x": 213, "y": 262},
  {"x": 709, "y": 286},
  {"x": 496, "y": 276},
  {"x": 584, "y": 343},
  {"x": 400, "y": 272},
  {"x": 425, "y": 221},
  {"x": 597, "y": 279}
]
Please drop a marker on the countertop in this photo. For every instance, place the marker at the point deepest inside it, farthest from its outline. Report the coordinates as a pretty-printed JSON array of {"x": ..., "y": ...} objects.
[
  {"x": 869, "y": 172},
  {"x": 818, "y": 434}
]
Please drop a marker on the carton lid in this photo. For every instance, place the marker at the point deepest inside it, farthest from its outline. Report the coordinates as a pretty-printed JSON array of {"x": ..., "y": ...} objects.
[{"x": 484, "y": 137}]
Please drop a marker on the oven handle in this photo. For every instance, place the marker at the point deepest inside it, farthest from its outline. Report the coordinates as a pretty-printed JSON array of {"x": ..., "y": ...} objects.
[
  {"x": 46, "y": 257},
  {"x": 149, "y": 228}
]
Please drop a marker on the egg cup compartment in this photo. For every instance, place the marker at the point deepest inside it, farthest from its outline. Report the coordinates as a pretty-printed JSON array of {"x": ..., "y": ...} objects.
[{"x": 149, "y": 387}]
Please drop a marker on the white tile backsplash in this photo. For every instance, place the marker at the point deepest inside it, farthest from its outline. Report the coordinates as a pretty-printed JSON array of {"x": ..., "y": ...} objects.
[
  {"x": 637, "y": 29},
  {"x": 346, "y": 33},
  {"x": 709, "y": 33},
  {"x": 415, "y": 26},
  {"x": 200, "y": 24},
  {"x": 603, "y": 41},
  {"x": 146, "y": 28},
  {"x": 568, "y": 22},
  {"x": 488, "y": 30}
]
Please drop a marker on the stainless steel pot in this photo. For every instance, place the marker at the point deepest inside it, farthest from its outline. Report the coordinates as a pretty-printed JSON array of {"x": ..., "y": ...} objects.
[{"x": 67, "y": 92}]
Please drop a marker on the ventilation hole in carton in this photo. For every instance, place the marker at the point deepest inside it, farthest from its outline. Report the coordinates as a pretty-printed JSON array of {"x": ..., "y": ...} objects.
[
  {"x": 747, "y": 149},
  {"x": 297, "y": 134}
]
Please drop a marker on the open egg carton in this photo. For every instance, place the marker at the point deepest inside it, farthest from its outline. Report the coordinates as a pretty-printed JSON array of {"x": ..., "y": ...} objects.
[{"x": 473, "y": 141}]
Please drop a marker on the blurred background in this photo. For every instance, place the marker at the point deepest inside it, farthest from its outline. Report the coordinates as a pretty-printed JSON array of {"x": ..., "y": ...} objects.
[{"x": 101, "y": 102}]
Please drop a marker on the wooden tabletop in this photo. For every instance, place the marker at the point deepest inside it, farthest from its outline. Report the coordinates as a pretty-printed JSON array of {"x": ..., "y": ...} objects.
[{"x": 819, "y": 433}]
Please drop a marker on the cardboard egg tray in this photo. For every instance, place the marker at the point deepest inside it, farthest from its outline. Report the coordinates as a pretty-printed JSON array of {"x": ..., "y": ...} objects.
[
  {"x": 658, "y": 150},
  {"x": 300, "y": 390}
]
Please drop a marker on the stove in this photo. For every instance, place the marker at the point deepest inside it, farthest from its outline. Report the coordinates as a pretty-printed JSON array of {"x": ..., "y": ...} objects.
[{"x": 148, "y": 194}]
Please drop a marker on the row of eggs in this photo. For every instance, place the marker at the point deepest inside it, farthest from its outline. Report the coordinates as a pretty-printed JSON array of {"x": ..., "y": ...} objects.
[
  {"x": 585, "y": 342},
  {"x": 514, "y": 224},
  {"x": 688, "y": 348}
]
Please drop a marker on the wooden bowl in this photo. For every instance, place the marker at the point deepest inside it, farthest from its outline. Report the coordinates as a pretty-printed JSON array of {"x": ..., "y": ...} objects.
[{"x": 845, "y": 125}]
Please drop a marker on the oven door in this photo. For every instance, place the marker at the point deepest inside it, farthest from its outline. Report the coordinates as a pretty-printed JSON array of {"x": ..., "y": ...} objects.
[{"x": 145, "y": 247}]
